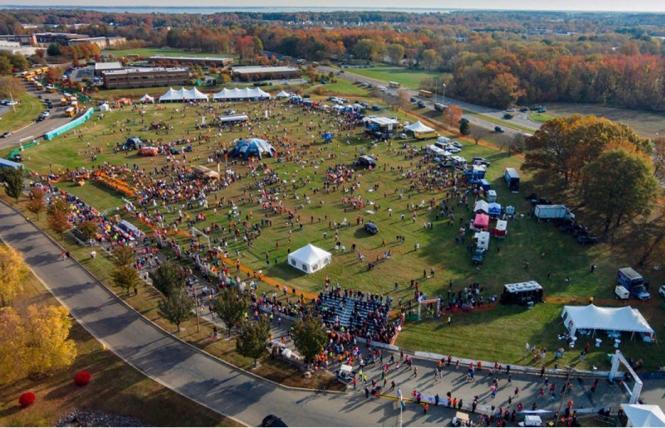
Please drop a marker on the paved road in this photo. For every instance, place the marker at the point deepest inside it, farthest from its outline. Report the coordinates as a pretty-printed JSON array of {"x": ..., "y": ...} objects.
[
  {"x": 520, "y": 119},
  {"x": 234, "y": 393},
  {"x": 37, "y": 129}
]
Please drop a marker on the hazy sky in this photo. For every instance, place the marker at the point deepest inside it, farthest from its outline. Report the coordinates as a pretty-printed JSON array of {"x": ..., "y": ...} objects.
[{"x": 613, "y": 5}]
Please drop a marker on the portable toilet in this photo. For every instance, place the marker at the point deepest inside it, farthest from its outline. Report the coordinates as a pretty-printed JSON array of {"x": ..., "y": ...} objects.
[{"x": 491, "y": 196}]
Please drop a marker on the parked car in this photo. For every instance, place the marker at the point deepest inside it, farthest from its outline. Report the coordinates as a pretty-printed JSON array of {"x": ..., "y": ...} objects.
[
  {"x": 524, "y": 109},
  {"x": 43, "y": 116},
  {"x": 480, "y": 161},
  {"x": 498, "y": 129},
  {"x": 421, "y": 104},
  {"x": 6, "y": 134},
  {"x": 661, "y": 290},
  {"x": 507, "y": 116},
  {"x": 272, "y": 421},
  {"x": 371, "y": 228}
]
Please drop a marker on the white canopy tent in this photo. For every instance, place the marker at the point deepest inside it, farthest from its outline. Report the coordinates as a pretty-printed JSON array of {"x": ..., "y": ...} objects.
[
  {"x": 147, "y": 99},
  {"x": 171, "y": 95},
  {"x": 183, "y": 94},
  {"x": 283, "y": 94},
  {"x": 194, "y": 95},
  {"x": 234, "y": 94},
  {"x": 644, "y": 415},
  {"x": 592, "y": 317},
  {"x": 481, "y": 206},
  {"x": 418, "y": 127},
  {"x": 309, "y": 258},
  {"x": 482, "y": 240}
]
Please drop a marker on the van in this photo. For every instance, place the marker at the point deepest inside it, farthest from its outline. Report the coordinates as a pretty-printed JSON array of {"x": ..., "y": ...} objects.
[
  {"x": 621, "y": 292},
  {"x": 632, "y": 281}
]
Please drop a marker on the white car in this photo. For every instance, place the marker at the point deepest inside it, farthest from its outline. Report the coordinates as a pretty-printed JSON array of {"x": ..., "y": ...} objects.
[
  {"x": 621, "y": 292},
  {"x": 661, "y": 290}
]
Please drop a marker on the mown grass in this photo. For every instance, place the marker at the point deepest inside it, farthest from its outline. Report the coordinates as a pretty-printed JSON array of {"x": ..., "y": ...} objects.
[
  {"x": 554, "y": 259},
  {"x": 25, "y": 112},
  {"x": 146, "y": 52},
  {"x": 408, "y": 78}
]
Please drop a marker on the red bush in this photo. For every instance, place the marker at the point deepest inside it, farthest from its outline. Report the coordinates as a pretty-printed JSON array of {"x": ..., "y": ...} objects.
[
  {"x": 82, "y": 377},
  {"x": 26, "y": 399}
]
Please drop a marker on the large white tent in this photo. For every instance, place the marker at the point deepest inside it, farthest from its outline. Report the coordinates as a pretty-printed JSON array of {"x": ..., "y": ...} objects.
[
  {"x": 644, "y": 415},
  {"x": 419, "y": 130},
  {"x": 147, "y": 99},
  {"x": 309, "y": 258},
  {"x": 283, "y": 94},
  {"x": 234, "y": 94},
  {"x": 183, "y": 94},
  {"x": 592, "y": 317}
]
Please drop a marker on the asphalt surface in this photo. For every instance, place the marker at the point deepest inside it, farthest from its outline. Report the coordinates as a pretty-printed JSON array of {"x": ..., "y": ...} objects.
[
  {"x": 37, "y": 129},
  {"x": 519, "y": 119}
]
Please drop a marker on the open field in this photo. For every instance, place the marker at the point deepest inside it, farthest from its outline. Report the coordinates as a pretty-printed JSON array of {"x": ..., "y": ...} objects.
[
  {"x": 649, "y": 124},
  {"x": 116, "y": 388},
  {"x": 26, "y": 111},
  {"x": 555, "y": 260},
  {"x": 408, "y": 78},
  {"x": 540, "y": 117},
  {"x": 341, "y": 87},
  {"x": 146, "y": 52}
]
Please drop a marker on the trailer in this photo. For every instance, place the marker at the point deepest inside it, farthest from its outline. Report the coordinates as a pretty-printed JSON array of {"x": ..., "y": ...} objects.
[
  {"x": 550, "y": 212},
  {"x": 512, "y": 179},
  {"x": 522, "y": 293}
]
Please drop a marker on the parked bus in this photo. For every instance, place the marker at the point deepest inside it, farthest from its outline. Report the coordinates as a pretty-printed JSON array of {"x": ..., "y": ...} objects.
[
  {"x": 394, "y": 84},
  {"x": 425, "y": 94}
]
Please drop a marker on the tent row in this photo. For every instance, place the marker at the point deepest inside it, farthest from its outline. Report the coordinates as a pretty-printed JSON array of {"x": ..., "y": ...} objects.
[{"x": 234, "y": 94}]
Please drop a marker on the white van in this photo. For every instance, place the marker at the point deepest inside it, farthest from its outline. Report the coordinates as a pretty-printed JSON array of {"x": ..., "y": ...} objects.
[{"x": 621, "y": 292}]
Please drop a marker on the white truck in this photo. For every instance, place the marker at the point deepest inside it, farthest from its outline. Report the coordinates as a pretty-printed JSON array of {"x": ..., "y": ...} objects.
[{"x": 548, "y": 212}]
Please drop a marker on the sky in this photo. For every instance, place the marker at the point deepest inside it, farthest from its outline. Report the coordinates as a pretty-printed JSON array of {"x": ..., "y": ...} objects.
[{"x": 587, "y": 5}]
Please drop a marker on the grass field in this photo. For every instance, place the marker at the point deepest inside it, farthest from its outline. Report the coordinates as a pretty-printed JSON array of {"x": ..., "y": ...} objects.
[
  {"x": 341, "y": 87},
  {"x": 540, "y": 117},
  {"x": 116, "y": 388},
  {"x": 649, "y": 124},
  {"x": 555, "y": 260},
  {"x": 26, "y": 111},
  {"x": 408, "y": 78},
  {"x": 146, "y": 52}
]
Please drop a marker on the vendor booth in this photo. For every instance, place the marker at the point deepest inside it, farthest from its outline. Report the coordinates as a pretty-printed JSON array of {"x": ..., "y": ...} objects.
[
  {"x": 252, "y": 147},
  {"x": 494, "y": 209},
  {"x": 147, "y": 99},
  {"x": 522, "y": 293},
  {"x": 241, "y": 94},
  {"x": 420, "y": 131},
  {"x": 482, "y": 240},
  {"x": 309, "y": 258},
  {"x": 481, "y": 221},
  {"x": 592, "y": 318},
  {"x": 481, "y": 207},
  {"x": 501, "y": 229}
]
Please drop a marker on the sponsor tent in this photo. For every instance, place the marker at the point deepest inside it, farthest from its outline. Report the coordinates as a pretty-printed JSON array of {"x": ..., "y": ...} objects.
[
  {"x": 501, "y": 229},
  {"x": 481, "y": 221},
  {"x": 591, "y": 317},
  {"x": 253, "y": 147},
  {"x": 310, "y": 258},
  {"x": 238, "y": 94},
  {"x": 644, "y": 415},
  {"x": 481, "y": 207},
  {"x": 482, "y": 240},
  {"x": 182, "y": 94},
  {"x": 419, "y": 130},
  {"x": 494, "y": 209},
  {"x": 147, "y": 99}
]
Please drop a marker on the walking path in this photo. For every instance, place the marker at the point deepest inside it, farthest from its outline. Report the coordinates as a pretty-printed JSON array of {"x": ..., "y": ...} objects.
[{"x": 239, "y": 394}]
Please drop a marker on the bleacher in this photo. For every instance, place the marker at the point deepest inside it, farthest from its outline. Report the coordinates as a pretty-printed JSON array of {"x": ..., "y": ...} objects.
[{"x": 357, "y": 313}]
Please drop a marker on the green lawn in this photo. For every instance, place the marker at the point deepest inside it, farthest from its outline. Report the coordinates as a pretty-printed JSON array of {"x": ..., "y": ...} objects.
[
  {"x": 408, "y": 78},
  {"x": 26, "y": 111},
  {"x": 341, "y": 87},
  {"x": 541, "y": 117},
  {"x": 146, "y": 52},
  {"x": 552, "y": 257}
]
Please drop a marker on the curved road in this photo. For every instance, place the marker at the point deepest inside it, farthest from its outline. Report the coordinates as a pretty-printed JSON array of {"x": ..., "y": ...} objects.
[{"x": 175, "y": 364}]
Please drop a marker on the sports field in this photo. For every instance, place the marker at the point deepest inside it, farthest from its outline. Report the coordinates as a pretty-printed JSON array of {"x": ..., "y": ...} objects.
[
  {"x": 408, "y": 78},
  {"x": 532, "y": 251},
  {"x": 25, "y": 112}
]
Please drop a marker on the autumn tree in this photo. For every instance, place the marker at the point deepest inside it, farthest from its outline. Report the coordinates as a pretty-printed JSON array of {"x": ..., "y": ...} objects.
[
  {"x": 88, "y": 229},
  {"x": 395, "y": 52},
  {"x": 177, "y": 307},
  {"x": 168, "y": 278},
  {"x": 452, "y": 115},
  {"x": 47, "y": 339},
  {"x": 13, "y": 272},
  {"x": 478, "y": 133},
  {"x": 403, "y": 99},
  {"x": 564, "y": 146},
  {"x": 13, "y": 364},
  {"x": 13, "y": 179},
  {"x": 54, "y": 75},
  {"x": 253, "y": 338},
  {"x": 11, "y": 87},
  {"x": 430, "y": 59},
  {"x": 36, "y": 202},
  {"x": 123, "y": 255},
  {"x": 57, "y": 215},
  {"x": 617, "y": 186},
  {"x": 126, "y": 278},
  {"x": 309, "y": 337},
  {"x": 230, "y": 306}
]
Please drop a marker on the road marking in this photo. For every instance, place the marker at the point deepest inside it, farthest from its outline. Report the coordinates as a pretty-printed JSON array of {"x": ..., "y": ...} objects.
[{"x": 26, "y": 138}]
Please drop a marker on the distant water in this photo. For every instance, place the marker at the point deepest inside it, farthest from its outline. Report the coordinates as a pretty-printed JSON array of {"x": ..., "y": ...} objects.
[{"x": 226, "y": 9}]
